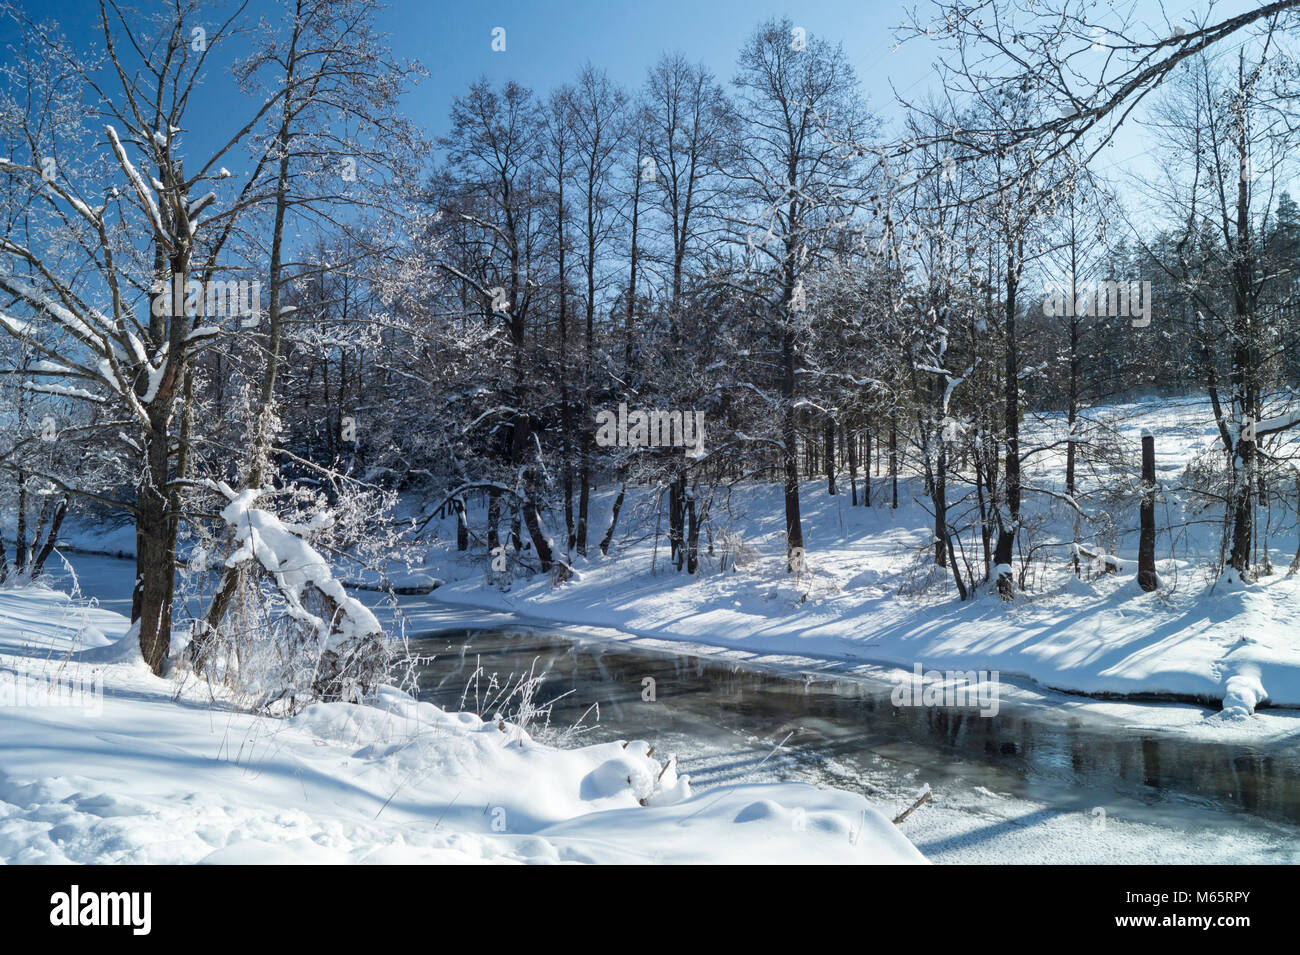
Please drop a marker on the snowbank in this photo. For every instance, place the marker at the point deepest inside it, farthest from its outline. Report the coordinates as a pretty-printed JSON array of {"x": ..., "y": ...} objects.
[{"x": 157, "y": 777}]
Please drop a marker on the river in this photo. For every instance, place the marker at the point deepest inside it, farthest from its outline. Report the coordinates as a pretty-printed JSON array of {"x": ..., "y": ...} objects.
[{"x": 1044, "y": 780}]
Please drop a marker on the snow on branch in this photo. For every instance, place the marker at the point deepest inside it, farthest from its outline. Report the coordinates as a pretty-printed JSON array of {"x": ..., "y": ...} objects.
[
  {"x": 137, "y": 182},
  {"x": 297, "y": 567}
]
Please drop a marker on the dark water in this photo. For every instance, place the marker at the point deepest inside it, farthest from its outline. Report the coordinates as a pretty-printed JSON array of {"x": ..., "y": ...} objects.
[{"x": 730, "y": 724}]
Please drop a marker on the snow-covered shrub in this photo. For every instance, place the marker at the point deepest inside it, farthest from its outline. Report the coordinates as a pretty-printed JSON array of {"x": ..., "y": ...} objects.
[
  {"x": 291, "y": 633},
  {"x": 1036, "y": 546},
  {"x": 1208, "y": 481},
  {"x": 561, "y": 571},
  {"x": 1207, "y": 478},
  {"x": 921, "y": 575},
  {"x": 733, "y": 552}
]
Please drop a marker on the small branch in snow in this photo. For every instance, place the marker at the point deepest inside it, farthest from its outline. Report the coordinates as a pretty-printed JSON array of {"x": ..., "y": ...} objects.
[{"x": 924, "y": 797}]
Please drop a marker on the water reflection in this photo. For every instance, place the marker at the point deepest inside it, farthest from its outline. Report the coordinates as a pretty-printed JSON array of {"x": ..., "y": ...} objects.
[{"x": 736, "y": 724}]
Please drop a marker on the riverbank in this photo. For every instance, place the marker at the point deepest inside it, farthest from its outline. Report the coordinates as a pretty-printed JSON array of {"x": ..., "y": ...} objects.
[
  {"x": 1228, "y": 648},
  {"x": 869, "y": 595},
  {"x": 105, "y": 763},
  {"x": 868, "y": 598}
]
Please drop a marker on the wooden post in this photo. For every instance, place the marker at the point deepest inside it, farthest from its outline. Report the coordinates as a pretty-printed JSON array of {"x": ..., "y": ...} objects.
[{"x": 1147, "y": 578}]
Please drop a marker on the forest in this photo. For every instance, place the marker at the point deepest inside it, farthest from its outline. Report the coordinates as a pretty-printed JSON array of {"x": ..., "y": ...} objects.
[{"x": 761, "y": 353}]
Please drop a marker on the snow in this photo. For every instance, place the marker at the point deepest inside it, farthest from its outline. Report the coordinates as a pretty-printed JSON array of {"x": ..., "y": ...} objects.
[
  {"x": 141, "y": 190},
  {"x": 14, "y": 327},
  {"x": 46, "y": 306},
  {"x": 1232, "y": 646},
  {"x": 1279, "y": 423},
  {"x": 202, "y": 201},
  {"x": 155, "y": 376},
  {"x": 63, "y": 391},
  {"x": 400, "y": 780},
  {"x": 83, "y": 210},
  {"x": 1101, "y": 637},
  {"x": 295, "y": 565},
  {"x": 165, "y": 774}
]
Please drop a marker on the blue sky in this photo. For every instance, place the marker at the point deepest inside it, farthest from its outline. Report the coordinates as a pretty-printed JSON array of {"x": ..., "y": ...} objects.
[{"x": 547, "y": 42}]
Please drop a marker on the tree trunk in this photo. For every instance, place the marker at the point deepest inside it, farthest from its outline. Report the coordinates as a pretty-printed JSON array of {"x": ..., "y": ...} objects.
[
  {"x": 1002, "y": 556},
  {"x": 462, "y": 525},
  {"x": 893, "y": 457},
  {"x": 566, "y": 410},
  {"x": 851, "y": 446},
  {"x": 38, "y": 567},
  {"x": 1011, "y": 384},
  {"x": 940, "y": 498},
  {"x": 493, "y": 520},
  {"x": 155, "y": 561},
  {"x": 677, "y": 518},
  {"x": 38, "y": 535},
  {"x": 534, "y": 524},
  {"x": 866, "y": 470},
  {"x": 1244, "y": 377},
  {"x": 830, "y": 457},
  {"x": 20, "y": 533},
  {"x": 1147, "y": 579},
  {"x": 584, "y": 485},
  {"x": 613, "y": 520},
  {"x": 692, "y": 533},
  {"x": 630, "y": 315},
  {"x": 1072, "y": 412},
  {"x": 790, "y": 437},
  {"x": 985, "y": 526},
  {"x": 962, "y": 592},
  {"x": 1242, "y": 512}
]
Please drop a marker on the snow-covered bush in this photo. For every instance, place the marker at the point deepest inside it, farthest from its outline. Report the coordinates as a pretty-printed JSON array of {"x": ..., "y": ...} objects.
[
  {"x": 734, "y": 554},
  {"x": 291, "y": 633}
]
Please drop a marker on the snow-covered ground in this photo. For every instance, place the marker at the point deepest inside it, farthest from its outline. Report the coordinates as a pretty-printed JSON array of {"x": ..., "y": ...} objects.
[
  {"x": 978, "y": 814},
  {"x": 859, "y": 602},
  {"x": 153, "y": 771},
  {"x": 163, "y": 774}
]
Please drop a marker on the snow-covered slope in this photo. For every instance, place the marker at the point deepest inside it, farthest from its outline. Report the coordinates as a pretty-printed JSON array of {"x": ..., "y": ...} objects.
[
  {"x": 1106, "y": 637},
  {"x": 869, "y": 596}
]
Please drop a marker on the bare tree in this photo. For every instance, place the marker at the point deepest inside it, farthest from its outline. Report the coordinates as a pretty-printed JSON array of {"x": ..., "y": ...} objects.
[
  {"x": 797, "y": 176},
  {"x": 130, "y": 336},
  {"x": 492, "y": 147}
]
